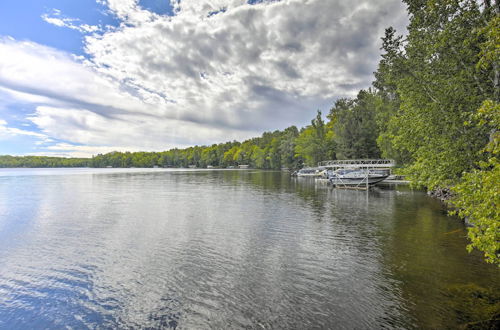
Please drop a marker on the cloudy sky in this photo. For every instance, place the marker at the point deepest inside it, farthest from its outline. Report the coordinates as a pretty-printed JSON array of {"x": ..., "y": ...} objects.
[{"x": 91, "y": 76}]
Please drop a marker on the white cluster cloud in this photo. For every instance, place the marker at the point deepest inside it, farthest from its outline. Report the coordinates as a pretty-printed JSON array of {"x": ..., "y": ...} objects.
[{"x": 215, "y": 71}]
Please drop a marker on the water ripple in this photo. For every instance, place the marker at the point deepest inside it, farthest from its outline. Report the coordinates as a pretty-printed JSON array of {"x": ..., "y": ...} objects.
[{"x": 227, "y": 249}]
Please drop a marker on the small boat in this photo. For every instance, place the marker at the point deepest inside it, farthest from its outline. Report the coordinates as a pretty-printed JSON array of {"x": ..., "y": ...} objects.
[{"x": 356, "y": 177}]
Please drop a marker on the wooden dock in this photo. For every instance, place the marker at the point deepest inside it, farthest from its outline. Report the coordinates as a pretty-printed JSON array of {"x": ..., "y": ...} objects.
[
  {"x": 395, "y": 182},
  {"x": 386, "y": 182}
]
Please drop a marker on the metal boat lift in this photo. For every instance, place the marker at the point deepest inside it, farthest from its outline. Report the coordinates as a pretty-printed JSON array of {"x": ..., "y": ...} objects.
[{"x": 357, "y": 164}]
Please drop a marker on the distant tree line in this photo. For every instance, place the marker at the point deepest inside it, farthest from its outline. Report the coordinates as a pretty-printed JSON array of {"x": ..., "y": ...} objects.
[
  {"x": 434, "y": 108},
  {"x": 42, "y": 161},
  {"x": 349, "y": 132}
]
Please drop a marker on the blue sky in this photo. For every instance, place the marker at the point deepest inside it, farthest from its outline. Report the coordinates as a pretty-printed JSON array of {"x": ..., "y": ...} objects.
[
  {"x": 22, "y": 20},
  {"x": 83, "y": 77}
]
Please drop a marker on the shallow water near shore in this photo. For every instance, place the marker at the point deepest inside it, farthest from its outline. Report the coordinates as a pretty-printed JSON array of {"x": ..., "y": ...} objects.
[{"x": 228, "y": 249}]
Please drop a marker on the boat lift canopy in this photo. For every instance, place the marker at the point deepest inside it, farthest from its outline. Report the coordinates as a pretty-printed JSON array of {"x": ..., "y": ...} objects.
[
  {"x": 361, "y": 164},
  {"x": 357, "y": 164}
]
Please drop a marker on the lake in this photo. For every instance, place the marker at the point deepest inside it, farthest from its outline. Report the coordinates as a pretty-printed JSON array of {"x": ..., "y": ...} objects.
[{"x": 227, "y": 249}]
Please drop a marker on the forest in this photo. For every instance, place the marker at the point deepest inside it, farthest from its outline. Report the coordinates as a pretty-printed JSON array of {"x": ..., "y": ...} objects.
[{"x": 433, "y": 107}]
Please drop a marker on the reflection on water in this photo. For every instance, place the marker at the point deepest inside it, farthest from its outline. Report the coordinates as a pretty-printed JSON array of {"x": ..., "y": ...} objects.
[{"x": 225, "y": 249}]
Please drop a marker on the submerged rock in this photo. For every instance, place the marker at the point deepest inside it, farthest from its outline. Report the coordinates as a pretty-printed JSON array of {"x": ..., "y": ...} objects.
[{"x": 475, "y": 307}]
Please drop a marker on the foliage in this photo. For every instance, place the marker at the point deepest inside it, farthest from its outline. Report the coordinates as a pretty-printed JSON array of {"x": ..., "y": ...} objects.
[
  {"x": 355, "y": 126},
  {"x": 315, "y": 142},
  {"x": 272, "y": 150},
  {"x": 389, "y": 101},
  {"x": 41, "y": 161},
  {"x": 432, "y": 82},
  {"x": 434, "y": 76},
  {"x": 478, "y": 195}
]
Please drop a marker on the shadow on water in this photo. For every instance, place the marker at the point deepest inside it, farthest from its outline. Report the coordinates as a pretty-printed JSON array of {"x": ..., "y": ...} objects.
[{"x": 232, "y": 249}]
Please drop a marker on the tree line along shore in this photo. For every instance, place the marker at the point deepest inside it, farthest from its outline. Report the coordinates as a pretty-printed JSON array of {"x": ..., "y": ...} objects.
[{"x": 433, "y": 107}]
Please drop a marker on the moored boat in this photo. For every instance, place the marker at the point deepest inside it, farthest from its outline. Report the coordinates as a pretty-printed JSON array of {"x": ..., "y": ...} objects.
[{"x": 356, "y": 177}]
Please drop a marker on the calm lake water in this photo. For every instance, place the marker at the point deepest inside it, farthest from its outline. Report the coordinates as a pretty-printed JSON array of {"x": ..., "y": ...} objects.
[{"x": 134, "y": 248}]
